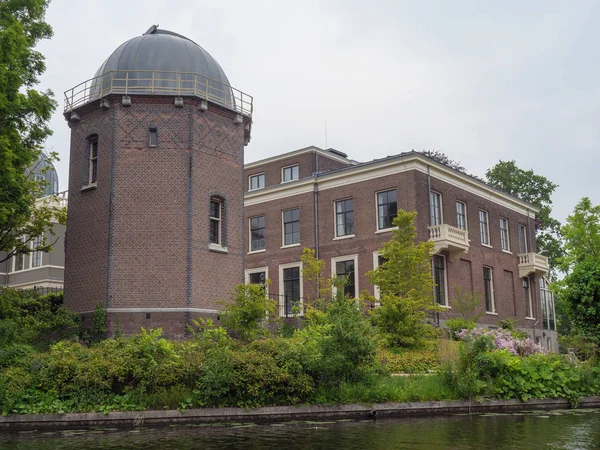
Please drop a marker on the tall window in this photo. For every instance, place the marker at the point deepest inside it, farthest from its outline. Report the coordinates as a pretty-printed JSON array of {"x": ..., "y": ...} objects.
[
  {"x": 344, "y": 271},
  {"x": 488, "y": 289},
  {"x": 387, "y": 208},
  {"x": 484, "y": 228},
  {"x": 257, "y": 181},
  {"x": 461, "y": 215},
  {"x": 215, "y": 222},
  {"x": 504, "y": 237},
  {"x": 438, "y": 263},
  {"x": 527, "y": 298},
  {"x": 291, "y": 226},
  {"x": 435, "y": 208},
  {"x": 153, "y": 135},
  {"x": 291, "y": 291},
  {"x": 547, "y": 305},
  {"x": 92, "y": 159},
  {"x": 19, "y": 261},
  {"x": 344, "y": 218},
  {"x": 257, "y": 233},
  {"x": 36, "y": 257},
  {"x": 290, "y": 173},
  {"x": 522, "y": 239}
]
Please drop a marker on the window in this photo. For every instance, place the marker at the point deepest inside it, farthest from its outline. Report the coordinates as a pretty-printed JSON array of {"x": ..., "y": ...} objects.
[
  {"x": 258, "y": 275},
  {"x": 257, "y": 181},
  {"x": 522, "y": 239},
  {"x": 547, "y": 300},
  {"x": 527, "y": 298},
  {"x": 153, "y": 137},
  {"x": 461, "y": 215},
  {"x": 484, "y": 227},
  {"x": 344, "y": 269},
  {"x": 378, "y": 260},
  {"x": 92, "y": 159},
  {"x": 435, "y": 208},
  {"x": 257, "y": 233},
  {"x": 438, "y": 263},
  {"x": 488, "y": 290},
  {"x": 291, "y": 290},
  {"x": 36, "y": 257},
  {"x": 215, "y": 222},
  {"x": 290, "y": 173},
  {"x": 504, "y": 238},
  {"x": 387, "y": 209},
  {"x": 344, "y": 218},
  {"x": 19, "y": 262},
  {"x": 291, "y": 227}
]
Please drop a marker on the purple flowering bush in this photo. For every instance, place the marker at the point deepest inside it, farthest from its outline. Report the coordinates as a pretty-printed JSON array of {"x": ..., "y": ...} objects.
[
  {"x": 496, "y": 364},
  {"x": 504, "y": 340}
]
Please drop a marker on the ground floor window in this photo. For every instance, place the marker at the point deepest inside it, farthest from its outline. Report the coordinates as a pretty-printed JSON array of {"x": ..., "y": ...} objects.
[
  {"x": 438, "y": 264},
  {"x": 290, "y": 280},
  {"x": 488, "y": 289},
  {"x": 547, "y": 300}
]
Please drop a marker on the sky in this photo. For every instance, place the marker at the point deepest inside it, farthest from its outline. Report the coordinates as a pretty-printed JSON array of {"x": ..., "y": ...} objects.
[{"x": 481, "y": 81}]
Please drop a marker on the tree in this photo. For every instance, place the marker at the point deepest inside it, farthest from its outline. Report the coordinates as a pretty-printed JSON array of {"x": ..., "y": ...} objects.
[
  {"x": 534, "y": 189},
  {"x": 406, "y": 284},
  {"x": 24, "y": 113},
  {"x": 580, "y": 295},
  {"x": 581, "y": 235}
]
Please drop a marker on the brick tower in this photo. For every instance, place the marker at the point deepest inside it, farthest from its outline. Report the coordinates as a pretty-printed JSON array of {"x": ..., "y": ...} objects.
[{"x": 155, "y": 220}]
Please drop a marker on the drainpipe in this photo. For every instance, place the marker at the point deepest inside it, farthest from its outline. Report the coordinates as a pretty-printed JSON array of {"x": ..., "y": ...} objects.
[{"x": 316, "y": 202}]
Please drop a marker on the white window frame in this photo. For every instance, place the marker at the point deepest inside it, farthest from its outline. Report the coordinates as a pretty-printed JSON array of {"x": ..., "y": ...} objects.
[
  {"x": 92, "y": 160},
  {"x": 376, "y": 289},
  {"x": 250, "y": 235},
  {"x": 464, "y": 205},
  {"x": 291, "y": 166},
  {"x": 356, "y": 272},
  {"x": 34, "y": 255},
  {"x": 295, "y": 244},
  {"x": 383, "y": 230},
  {"x": 281, "y": 301},
  {"x": 335, "y": 224},
  {"x": 505, "y": 233},
  {"x": 492, "y": 297},
  {"x": 216, "y": 246},
  {"x": 445, "y": 304},
  {"x": 256, "y": 175},
  {"x": 249, "y": 272},
  {"x": 434, "y": 197},
  {"x": 523, "y": 238},
  {"x": 529, "y": 299},
  {"x": 487, "y": 227}
]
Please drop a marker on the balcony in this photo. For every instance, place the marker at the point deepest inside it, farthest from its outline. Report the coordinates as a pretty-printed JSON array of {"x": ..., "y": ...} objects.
[
  {"x": 452, "y": 239},
  {"x": 532, "y": 263}
]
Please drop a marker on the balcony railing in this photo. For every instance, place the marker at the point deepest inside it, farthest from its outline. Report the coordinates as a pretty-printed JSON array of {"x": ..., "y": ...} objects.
[
  {"x": 452, "y": 239},
  {"x": 532, "y": 263},
  {"x": 152, "y": 82}
]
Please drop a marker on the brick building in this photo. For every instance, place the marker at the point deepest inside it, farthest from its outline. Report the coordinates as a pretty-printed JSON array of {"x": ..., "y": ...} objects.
[
  {"x": 156, "y": 185},
  {"x": 484, "y": 238}
]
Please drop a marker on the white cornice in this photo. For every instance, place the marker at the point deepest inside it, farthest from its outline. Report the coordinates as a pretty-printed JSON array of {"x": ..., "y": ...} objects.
[
  {"x": 301, "y": 151},
  {"x": 391, "y": 166}
]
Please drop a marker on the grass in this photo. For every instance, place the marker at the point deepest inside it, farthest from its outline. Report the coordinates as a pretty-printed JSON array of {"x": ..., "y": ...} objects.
[{"x": 380, "y": 389}]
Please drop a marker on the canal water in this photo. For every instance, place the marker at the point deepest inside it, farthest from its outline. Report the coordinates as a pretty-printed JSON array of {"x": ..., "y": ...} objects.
[{"x": 565, "y": 429}]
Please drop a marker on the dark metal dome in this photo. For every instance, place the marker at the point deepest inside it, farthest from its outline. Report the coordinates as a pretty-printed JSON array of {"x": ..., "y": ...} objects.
[{"x": 163, "y": 51}]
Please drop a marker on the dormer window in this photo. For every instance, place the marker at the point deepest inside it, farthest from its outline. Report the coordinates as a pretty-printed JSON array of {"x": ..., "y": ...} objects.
[{"x": 290, "y": 173}]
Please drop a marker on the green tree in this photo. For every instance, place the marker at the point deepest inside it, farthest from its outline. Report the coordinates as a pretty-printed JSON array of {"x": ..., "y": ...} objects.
[
  {"x": 537, "y": 190},
  {"x": 406, "y": 284},
  {"x": 24, "y": 113},
  {"x": 580, "y": 296},
  {"x": 581, "y": 235}
]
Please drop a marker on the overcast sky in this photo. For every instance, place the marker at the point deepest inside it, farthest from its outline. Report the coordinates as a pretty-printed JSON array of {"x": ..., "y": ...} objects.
[{"x": 478, "y": 80}]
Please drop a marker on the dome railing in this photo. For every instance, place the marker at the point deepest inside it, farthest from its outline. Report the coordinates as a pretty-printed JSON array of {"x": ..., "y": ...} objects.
[{"x": 158, "y": 82}]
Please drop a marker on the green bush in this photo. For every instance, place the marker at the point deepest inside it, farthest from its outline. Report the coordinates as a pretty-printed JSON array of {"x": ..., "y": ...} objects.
[
  {"x": 455, "y": 326},
  {"x": 410, "y": 361}
]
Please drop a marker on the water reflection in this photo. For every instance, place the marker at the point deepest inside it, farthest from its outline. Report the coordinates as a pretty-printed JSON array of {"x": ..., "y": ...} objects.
[{"x": 569, "y": 429}]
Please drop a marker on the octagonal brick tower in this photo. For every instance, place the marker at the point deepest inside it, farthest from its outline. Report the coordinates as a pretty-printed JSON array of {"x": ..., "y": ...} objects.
[{"x": 155, "y": 228}]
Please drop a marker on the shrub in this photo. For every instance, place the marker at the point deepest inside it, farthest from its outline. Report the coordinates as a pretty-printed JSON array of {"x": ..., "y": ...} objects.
[
  {"x": 410, "y": 361},
  {"x": 455, "y": 326}
]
